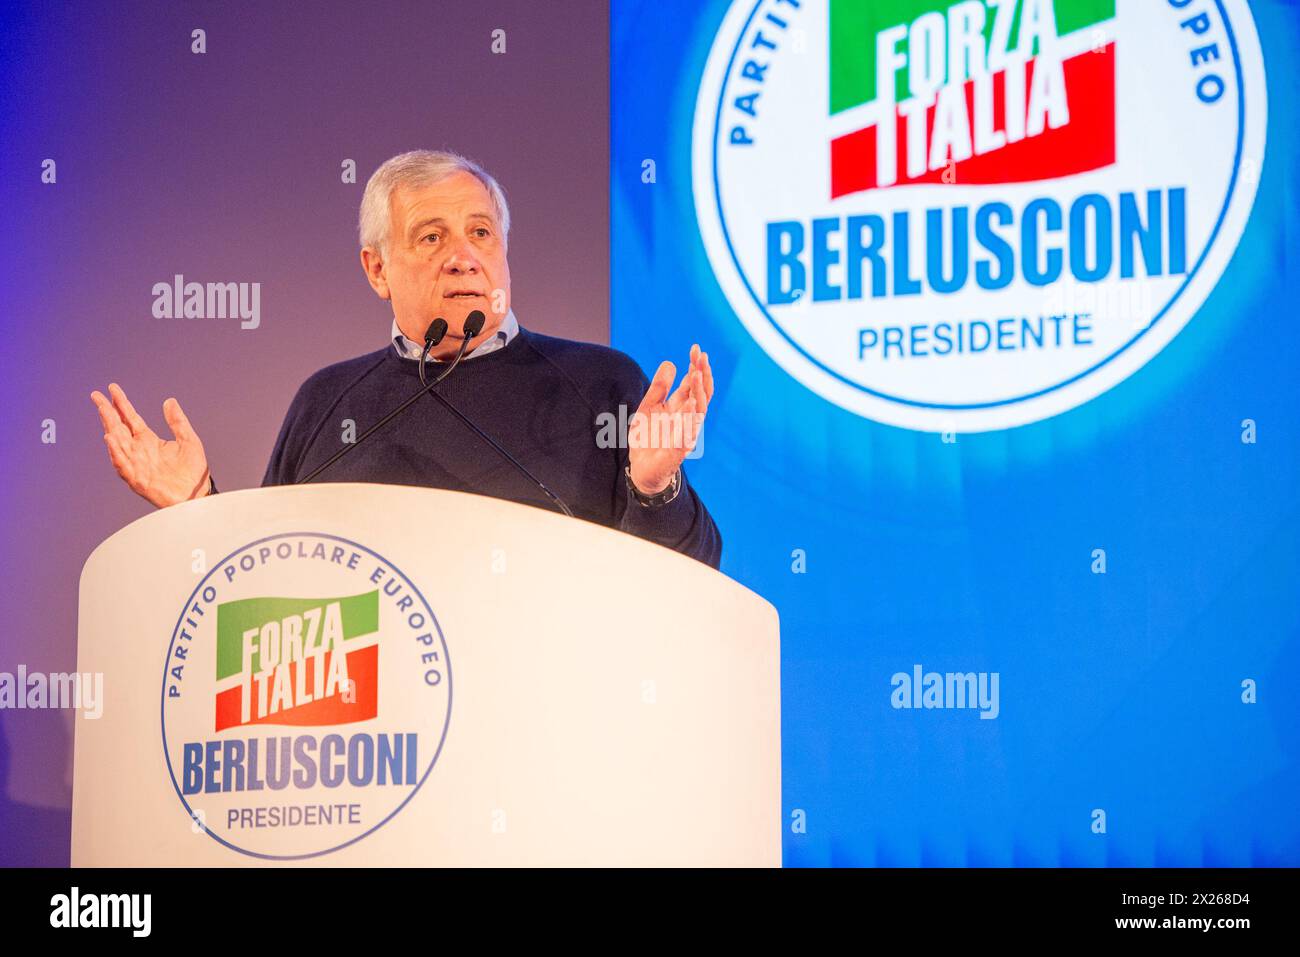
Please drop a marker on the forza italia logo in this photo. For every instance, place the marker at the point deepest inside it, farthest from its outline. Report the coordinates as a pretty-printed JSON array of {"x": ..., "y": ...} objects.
[
  {"x": 295, "y": 661},
  {"x": 970, "y": 216},
  {"x": 306, "y": 696}
]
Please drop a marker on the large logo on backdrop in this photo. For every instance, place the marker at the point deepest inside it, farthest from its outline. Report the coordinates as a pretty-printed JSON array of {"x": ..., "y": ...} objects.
[
  {"x": 970, "y": 216},
  {"x": 306, "y": 696}
]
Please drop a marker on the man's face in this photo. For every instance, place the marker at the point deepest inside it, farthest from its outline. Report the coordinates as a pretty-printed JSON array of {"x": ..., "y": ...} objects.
[{"x": 446, "y": 257}]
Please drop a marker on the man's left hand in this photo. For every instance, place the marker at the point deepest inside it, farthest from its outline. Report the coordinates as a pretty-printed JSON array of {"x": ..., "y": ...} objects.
[{"x": 665, "y": 428}]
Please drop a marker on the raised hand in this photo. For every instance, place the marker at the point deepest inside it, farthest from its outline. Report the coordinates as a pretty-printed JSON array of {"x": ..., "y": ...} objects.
[
  {"x": 670, "y": 425},
  {"x": 161, "y": 471}
]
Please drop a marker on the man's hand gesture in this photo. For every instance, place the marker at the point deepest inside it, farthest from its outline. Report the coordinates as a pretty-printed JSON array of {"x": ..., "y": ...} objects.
[
  {"x": 665, "y": 427},
  {"x": 164, "y": 472}
]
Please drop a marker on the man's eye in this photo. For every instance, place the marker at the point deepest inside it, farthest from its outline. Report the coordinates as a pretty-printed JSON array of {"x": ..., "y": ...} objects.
[
  {"x": 430, "y": 236},
  {"x": 482, "y": 231}
]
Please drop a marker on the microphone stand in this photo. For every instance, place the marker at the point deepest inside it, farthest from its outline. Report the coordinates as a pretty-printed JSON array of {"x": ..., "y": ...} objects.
[
  {"x": 425, "y": 387},
  {"x": 437, "y": 329}
]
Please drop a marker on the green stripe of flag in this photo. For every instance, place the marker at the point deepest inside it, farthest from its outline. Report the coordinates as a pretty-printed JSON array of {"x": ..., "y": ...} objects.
[
  {"x": 855, "y": 24},
  {"x": 359, "y": 614}
]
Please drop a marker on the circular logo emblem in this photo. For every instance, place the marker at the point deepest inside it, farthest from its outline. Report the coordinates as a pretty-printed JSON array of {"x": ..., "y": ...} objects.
[
  {"x": 305, "y": 697},
  {"x": 972, "y": 215}
]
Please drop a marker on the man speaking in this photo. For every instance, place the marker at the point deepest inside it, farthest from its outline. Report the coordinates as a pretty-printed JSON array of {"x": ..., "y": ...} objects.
[{"x": 521, "y": 416}]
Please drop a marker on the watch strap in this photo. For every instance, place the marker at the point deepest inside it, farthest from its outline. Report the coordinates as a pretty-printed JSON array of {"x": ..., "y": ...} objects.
[{"x": 654, "y": 501}]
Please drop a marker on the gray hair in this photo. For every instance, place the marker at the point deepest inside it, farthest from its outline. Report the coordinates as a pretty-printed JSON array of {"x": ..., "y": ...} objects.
[{"x": 418, "y": 168}]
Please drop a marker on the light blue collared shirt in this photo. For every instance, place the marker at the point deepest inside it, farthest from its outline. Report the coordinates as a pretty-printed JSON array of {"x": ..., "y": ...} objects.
[{"x": 408, "y": 349}]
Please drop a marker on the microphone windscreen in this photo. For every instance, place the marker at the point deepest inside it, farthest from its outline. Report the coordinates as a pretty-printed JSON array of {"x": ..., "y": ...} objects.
[
  {"x": 437, "y": 329},
  {"x": 474, "y": 323}
]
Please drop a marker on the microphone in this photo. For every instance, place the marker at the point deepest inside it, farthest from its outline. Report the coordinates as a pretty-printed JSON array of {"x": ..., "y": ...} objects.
[
  {"x": 432, "y": 336},
  {"x": 437, "y": 329},
  {"x": 435, "y": 333},
  {"x": 474, "y": 323}
]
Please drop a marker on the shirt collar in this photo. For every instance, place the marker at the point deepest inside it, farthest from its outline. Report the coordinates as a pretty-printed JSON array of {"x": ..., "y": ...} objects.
[{"x": 409, "y": 349}]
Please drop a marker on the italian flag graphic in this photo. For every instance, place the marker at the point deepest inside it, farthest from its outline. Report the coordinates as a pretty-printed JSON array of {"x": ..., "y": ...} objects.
[
  {"x": 297, "y": 661},
  {"x": 1005, "y": 91}
]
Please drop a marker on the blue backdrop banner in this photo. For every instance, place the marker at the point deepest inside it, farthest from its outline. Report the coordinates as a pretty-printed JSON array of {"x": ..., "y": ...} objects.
[{"x": 1000, "y": 299}]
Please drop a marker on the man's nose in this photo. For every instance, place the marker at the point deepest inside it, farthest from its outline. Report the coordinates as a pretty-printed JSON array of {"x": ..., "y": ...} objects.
[{"x": 461, "y": 261}]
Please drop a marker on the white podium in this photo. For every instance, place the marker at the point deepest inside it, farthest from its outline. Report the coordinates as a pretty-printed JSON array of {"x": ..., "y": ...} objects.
[{"x": 361, "y": 675}]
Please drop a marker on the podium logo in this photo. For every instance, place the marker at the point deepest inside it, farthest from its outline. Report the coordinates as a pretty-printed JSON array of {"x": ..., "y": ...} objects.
[
  {"x": 297, "y": 661},
  {"x": 306, "y": 696},
  {"x": 964, "y": 216}
]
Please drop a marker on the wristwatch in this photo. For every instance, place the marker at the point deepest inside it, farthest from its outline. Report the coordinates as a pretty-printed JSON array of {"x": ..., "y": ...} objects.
[{"x": 661, "y": 498}]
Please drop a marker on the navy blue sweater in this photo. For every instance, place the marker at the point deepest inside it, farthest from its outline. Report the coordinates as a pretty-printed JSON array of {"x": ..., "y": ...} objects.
[{"x": 538, "y": 396}]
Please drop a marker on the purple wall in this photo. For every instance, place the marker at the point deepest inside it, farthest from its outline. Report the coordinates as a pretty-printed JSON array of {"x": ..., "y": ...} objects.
[{"x": 225, "y": 167}]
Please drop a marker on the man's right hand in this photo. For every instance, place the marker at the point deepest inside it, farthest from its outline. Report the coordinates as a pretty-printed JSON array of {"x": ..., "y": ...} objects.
[{"x": 164, "y": 472}]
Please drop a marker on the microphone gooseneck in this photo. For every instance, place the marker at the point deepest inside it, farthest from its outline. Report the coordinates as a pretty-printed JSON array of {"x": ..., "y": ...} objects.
[
  {"x": 473, "y": 326},
  {"x": 431, "y": 338},
  {"x": 559, "y": 502},
  {"x": 437, "y": 330}
]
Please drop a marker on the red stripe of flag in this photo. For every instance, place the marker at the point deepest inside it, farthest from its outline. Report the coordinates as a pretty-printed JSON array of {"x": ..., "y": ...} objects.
[{"x": 363, "y": 671}]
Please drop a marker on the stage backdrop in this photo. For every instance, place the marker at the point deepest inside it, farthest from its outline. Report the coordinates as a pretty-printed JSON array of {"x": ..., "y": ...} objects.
[
  {"x": 135, "y": 151},
  {"x": 1001, "y": 302}
]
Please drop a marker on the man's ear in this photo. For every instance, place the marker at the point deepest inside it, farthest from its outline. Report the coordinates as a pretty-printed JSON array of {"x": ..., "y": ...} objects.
[{"x": 372, "y": 264}]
